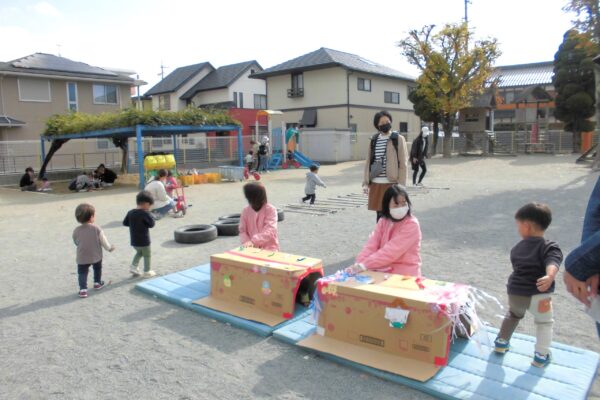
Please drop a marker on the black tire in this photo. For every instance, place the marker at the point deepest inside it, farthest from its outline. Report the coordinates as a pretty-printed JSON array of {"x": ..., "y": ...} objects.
[
  {"x": 280, "y": 215},
  {"x": 192, "y": 234},
  {"x": 230, "y": 216},
  {"x": 228, "y": 227}
]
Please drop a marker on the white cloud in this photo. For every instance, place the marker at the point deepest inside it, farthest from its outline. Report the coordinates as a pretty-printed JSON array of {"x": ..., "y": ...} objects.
[{"x": 45, "y": 8}]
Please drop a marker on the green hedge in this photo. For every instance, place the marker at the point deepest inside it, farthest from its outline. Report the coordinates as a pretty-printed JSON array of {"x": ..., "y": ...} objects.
[{"x": 61, "y": 124}]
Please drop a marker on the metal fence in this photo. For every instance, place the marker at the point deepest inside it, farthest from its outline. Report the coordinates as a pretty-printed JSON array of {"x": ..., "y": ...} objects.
[{"x": 193, "y": 151}]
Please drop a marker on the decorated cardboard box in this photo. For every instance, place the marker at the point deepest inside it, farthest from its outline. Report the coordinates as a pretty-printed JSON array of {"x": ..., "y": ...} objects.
[
  {"x": 395, "y": 323},
  {"x": 260, "y": 285}
]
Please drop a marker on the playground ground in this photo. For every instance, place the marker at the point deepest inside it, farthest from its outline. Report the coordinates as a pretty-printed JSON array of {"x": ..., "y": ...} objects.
[{"x": 119, "y": 343}]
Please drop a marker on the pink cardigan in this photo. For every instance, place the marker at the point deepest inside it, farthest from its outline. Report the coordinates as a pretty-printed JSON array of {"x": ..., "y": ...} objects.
[
  {"x": 394, "y": 247},
  {"x": 260, "y": 227}
]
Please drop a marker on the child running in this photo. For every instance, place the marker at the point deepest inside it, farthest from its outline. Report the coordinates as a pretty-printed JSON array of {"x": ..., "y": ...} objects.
[
  {"x": 139, "y": 222},
  {"x": 258, "y": 222},
  {"x": 535, "y": 263},
  {"x": 90, "y": 240},
  {"x": 312, "y": 181}
]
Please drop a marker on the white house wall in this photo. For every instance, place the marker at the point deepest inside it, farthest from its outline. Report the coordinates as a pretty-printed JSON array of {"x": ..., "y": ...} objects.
[
  {"x": 379, "y": 85},
  {"x": 249, "y": 87},
  {"x": 211, "y": 97}
]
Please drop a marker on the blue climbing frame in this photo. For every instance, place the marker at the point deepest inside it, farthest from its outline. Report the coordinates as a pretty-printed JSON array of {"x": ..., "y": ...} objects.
[{"x": 139, "y": 131}]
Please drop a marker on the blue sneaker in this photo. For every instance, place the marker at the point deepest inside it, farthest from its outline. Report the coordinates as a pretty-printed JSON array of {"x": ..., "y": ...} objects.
[
  {"x": 501, "y": 346},
  {"x": 540, "y": 360}
]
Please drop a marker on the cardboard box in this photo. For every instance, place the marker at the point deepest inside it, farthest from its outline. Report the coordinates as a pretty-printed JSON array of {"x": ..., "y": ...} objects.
[
  {"x": 394, "y": 323},
  {"x": 260, "y": 285}
]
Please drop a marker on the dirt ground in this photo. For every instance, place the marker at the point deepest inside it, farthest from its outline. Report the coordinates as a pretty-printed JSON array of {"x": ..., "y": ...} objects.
[{"x": 119, "y": 343}]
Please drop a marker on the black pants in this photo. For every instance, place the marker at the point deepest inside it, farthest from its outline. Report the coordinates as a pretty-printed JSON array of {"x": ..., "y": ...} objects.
[
  {"x": 312, "y": 198},
  {"x": 82, "y": 271},
  {"x": 416, "y": 171}
]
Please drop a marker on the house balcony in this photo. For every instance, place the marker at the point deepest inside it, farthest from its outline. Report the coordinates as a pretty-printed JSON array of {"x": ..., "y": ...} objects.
[{"x": 295, "y": 92}]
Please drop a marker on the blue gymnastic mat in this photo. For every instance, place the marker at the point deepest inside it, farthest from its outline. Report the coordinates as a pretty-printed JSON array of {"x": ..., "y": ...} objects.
[
  {"x": 477, "y": 374},
  {"x": 184, "y": 287}
]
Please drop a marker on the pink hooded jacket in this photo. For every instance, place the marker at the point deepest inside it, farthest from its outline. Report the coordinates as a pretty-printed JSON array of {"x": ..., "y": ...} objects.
[
  {"x": 260, "y": 227},
  {"x": 394, "y": 247}
]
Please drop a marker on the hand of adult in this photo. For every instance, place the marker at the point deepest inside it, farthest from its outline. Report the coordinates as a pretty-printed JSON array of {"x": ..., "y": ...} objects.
[{"x": 579, "y": 289}]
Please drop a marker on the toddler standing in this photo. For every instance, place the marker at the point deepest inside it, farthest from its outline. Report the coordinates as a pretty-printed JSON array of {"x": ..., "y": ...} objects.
[
  {"x": 139, "y": 222},
  {"x": 89, "y": 239},
  {"x": 535, "y": 263},
  {"x": 312, "y": 181}
]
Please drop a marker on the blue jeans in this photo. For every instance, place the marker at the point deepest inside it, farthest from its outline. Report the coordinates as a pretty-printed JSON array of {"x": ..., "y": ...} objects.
[
  {"x": 164, "y": 209},
  {"x": 584, "y": 261},
  {"x": 82, "y": 272},
  {"x": 263, "y": 163}
]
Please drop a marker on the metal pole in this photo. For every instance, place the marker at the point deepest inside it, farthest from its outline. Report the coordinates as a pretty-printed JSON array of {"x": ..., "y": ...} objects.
[
  {"x": 175, "y": 149},
  {"x": 140, "y": 151},
  {"x": 43, "y": 148},
  {"x": 240, "y": 146}
]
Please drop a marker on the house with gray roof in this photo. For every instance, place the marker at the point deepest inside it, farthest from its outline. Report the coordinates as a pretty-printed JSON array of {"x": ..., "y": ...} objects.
[
  {"x": 34, "y": 87},
  {"x": 201, "y": 85},
  {"x": 331, "y": 89},
  {"x": 526, "y": 94}
]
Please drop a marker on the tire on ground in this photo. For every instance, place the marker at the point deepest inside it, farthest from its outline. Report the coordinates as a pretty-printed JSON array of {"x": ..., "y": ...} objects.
[
  {"x": 192, "y": 234},
  {"x": 228, "y": 227},
  {"x": 230, "y": 216},
  {"x": 280, "y": 214}
]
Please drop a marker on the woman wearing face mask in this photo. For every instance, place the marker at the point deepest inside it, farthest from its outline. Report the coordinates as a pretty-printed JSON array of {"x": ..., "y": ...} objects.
[
  {"x": 395, "y": 244},
  {"x": 418, "y": 152},
  {"x": 386, "y": 161}
]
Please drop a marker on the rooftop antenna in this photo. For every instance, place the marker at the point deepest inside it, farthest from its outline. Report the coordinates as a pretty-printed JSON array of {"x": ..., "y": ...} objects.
[
  {"x": 59, "y": 46},
  {"x": 162, "y": 70}
]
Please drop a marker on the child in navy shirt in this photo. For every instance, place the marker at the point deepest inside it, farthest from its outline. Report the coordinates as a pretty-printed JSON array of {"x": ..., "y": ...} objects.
[{"x": 139, "y": 222}]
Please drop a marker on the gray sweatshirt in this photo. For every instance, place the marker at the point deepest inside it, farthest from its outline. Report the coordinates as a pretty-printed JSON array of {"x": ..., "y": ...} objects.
[{"x": 312, "y": 180}]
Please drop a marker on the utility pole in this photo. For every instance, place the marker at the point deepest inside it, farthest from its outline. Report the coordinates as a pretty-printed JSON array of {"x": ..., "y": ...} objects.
[
  {"x": 467, "y": 2},
  {"x": 162, "y": 70}
]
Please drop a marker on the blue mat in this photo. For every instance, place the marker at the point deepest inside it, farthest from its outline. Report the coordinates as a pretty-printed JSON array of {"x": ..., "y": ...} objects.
[
  {"x": 184, "y": 287},
  {"x": 483, "y": 375}
]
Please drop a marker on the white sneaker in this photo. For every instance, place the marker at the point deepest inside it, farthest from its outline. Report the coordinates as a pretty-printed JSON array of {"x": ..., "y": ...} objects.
[
  {"x": 149, "y": 274},
  {"x": 135, "y": 271},
  {"x": 178, "y": 214}
]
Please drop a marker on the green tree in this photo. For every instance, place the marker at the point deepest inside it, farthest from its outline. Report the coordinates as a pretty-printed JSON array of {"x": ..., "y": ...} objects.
[
  {"x": 454, "y": 69},
  {"x": 428, "y": 112},
  {"x": 573, "y": 81}
]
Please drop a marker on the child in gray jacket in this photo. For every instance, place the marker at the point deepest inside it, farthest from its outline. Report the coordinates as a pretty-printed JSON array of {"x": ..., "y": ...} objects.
[{"x": 312, "y": 180}]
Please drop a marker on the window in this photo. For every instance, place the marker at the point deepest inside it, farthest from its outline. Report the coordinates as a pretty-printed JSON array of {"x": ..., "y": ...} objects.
[
  {"x": 34, "y": 90},
  {"x": 164, "y": 102},
  {"x": 252, "y": 71},
  {"x": 297, "y": 89},
  {"x": 241, "y": 96},
  {"x": 105, "y": 94},
  {"x": 260, "y": 101},
  {"x": 403, "y": 127},
  {"x": 72, "y": 96},
  {"x": 364, "y": 84},
  {"x": 235, "y": 99},
  {"x": 104, "y": 144},
  {"x": 391, "y": 97}
]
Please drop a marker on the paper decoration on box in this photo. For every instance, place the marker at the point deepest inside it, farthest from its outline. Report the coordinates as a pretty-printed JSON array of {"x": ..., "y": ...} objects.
[{"x": 397, "y": 317}]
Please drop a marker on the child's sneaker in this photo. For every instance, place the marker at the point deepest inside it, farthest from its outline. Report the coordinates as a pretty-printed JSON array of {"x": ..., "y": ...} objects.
[
  {"x": 540, "y": 360},
  {"x": 135, "y": 271},
  {"x": 99, "y": 285},
  {"x": 149, "y": 274},
  {"x": 501, "y": 346},
  {"x": 83, "y": 293}
]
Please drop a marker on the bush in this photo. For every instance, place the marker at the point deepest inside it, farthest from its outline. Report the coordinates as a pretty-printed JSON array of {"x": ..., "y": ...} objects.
[{"x": 61, "y": 124}]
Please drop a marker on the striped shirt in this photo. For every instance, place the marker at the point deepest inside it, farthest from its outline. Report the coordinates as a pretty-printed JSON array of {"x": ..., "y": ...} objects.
[{"x": 380, "y": 153}]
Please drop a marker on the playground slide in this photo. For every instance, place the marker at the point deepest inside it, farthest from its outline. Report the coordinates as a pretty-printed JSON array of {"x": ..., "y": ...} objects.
[{"x": 303, "y": 160}]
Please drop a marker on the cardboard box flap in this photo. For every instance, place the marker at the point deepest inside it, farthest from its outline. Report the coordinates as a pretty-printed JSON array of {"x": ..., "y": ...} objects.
[
  {"x": 241, "y": 310},
  {"x": 410, "y": 368},
  {"x": 278, "y": 263}
]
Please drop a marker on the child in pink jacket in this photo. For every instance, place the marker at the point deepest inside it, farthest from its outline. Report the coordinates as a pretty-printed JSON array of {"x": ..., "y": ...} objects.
[
  {"x": 394, "y": 246},
  {"x": 258, "y": 222}
]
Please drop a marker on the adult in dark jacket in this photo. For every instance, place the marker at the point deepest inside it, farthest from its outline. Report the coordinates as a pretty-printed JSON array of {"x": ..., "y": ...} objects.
[
  {"x": 106, "y": 176},
  {"x": 27, "y": 184},
  {"x": 418, "y": 153}
]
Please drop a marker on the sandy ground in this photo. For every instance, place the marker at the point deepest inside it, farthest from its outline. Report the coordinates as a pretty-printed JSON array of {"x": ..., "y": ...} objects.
[{"x": 119, "y": 343}]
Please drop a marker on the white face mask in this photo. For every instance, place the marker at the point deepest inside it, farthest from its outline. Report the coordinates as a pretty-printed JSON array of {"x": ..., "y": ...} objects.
[{"x": 399, "y": 213}]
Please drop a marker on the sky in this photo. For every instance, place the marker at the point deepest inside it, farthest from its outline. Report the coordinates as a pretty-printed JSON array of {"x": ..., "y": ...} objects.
[{"x": 140, "y": 35}]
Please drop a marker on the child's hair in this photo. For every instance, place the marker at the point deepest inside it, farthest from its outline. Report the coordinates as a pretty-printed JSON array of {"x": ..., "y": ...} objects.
[
  {"x": 250, "y": 152},
  {"x": 84, "y": 213},
  {"x": 256, "y": 195},
  {"x": 314, "y": 167},
  {"x": 537, "y": 213},
  {"x": 144, "y": 197},
  {"x": 29, "y": 169},
  {"x": 162, "y": 173},
  {"x": 392, "y": 193},
  {"x": 169, "y": 173}
]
